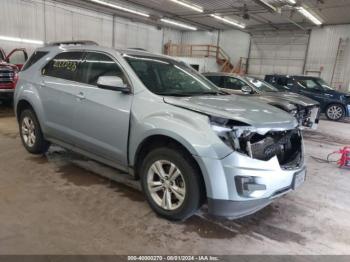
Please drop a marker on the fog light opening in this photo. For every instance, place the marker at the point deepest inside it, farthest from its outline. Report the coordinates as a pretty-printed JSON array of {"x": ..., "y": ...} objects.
[{"x": 249, "y": 187}]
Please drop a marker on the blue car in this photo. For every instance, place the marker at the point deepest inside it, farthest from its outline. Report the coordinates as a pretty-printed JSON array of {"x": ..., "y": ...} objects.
[{"x": 335, "y": 104}]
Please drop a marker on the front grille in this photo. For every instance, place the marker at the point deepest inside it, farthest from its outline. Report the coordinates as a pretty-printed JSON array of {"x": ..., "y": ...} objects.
[{"x": 7, "y": 75}]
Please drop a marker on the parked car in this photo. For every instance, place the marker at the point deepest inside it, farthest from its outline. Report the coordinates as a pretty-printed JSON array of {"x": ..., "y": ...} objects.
[
  {"x": 304, "y": 109},
  {"x": 9, "y": 68},
  {"x": 335, "y": 104},
  {"x": 160, "y": 121}
]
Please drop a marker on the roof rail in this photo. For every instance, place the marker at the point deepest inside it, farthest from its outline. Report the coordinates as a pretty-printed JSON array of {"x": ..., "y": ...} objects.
[
  {"x": 137, "y": 48},
  {"x": 78, "y": 42}
]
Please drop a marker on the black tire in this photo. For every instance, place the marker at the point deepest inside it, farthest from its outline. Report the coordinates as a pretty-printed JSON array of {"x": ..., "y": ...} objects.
[
  {"x": 192, "y": 181},
  {"x": 40, "y": 145},
  {"x": 332, "y": 116}
]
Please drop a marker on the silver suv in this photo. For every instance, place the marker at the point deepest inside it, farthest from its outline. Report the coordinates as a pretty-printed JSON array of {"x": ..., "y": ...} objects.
[{"x": 160, "y": 121}]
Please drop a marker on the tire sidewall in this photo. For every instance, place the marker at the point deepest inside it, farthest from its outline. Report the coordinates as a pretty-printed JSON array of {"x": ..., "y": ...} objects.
[
  {"x": 40, "y": 145},
  {"x": 343, "y": 112},
  {"x": 190, "y": 174}
]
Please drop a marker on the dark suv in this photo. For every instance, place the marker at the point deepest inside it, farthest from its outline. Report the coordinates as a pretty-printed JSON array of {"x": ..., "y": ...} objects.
[{"x": 335, "y": 104}]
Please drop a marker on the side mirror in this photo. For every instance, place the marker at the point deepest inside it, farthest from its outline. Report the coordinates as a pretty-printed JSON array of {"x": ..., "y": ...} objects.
[
  {"x": 114, "y": 83},
  {"x": 247, "y": 90}
]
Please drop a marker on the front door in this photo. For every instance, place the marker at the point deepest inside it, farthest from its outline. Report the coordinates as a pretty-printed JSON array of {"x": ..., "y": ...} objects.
[
  {"x": 233, "y": 85},
  {"x": 102, "y": 117},
  {"x": 311, "y": 89}
]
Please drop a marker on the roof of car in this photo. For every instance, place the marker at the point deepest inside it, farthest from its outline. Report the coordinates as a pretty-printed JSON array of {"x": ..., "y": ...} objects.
[
  {"x": 220, "y": 74},
  {"x": 91, "y": 47},
  {"x": 298, "y": 76}
]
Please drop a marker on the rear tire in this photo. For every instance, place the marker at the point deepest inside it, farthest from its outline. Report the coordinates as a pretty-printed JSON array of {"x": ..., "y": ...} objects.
[
  {"x": 171, "y": 183},
  {"x": 335, "y": 112},
  {"x": 31, "y": 134}
]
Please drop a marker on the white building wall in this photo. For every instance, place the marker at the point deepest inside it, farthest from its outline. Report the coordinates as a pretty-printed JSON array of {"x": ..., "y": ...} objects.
[
  {"x": 323, "y": 49},
  {"x": 200, "y": 38},
  {"x": 32, "y": 19},
  {"x": 235, "y": 43},
  {"x": 277, "y": 54}
]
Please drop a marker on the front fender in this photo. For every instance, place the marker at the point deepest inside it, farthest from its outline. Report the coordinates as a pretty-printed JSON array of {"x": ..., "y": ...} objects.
[{"x": 190, "y": 129}]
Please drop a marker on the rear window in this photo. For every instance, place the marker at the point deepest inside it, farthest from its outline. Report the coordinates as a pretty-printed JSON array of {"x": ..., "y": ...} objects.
[
  {"x": 34, "y": 58},
  {"x": 64, "y": 65}
]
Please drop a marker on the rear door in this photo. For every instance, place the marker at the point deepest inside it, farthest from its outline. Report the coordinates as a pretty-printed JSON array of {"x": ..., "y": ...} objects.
[
  {"x": 17, "y": 57},
  {"x": 59, "y": 91},
  {"x": 102, "y": 116}
]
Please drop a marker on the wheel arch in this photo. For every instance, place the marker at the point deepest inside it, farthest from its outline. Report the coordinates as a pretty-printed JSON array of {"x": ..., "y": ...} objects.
[
  {"x": 21, "y": 106},
  {"x": 336, "y": 103},
  {"x": 158, "y": 140}
]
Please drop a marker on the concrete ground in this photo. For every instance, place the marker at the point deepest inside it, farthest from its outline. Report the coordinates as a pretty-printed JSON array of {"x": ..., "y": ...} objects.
[{"x": 50, "y": 206}]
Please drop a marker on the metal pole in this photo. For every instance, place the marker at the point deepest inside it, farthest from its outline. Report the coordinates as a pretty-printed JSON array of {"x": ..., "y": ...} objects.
[
  {"x": 113, "y": 33},
  {"x": 307, "y": 52},
  {"x": 249, "y": 51}
]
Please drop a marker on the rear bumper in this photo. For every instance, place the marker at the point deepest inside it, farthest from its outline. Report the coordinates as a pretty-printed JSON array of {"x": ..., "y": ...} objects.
[{"x": 348, "y": 110}]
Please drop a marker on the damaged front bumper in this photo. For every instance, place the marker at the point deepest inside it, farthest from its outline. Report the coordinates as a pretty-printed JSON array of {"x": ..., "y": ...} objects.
[
  {"x": 308, "y": 117},
  {"x": 244, "y": 182}
]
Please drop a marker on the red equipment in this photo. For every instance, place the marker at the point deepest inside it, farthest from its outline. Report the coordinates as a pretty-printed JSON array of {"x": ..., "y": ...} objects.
[{"x": 344, "y": 161}]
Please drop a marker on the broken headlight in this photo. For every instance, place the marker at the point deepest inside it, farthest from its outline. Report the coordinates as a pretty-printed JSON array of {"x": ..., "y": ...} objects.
[{"x": 230, "y": 131}]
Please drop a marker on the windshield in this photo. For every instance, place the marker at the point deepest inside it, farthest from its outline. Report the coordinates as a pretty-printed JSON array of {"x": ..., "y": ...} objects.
[
  {"x": 261, "y": 86},
  {"x": 164, "y": 76}
]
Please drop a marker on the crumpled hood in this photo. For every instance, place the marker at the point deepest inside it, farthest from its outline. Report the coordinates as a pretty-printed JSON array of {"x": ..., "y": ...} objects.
[
  {"x": 237, "y": 108},
  {"x": 290, "y": 97}
]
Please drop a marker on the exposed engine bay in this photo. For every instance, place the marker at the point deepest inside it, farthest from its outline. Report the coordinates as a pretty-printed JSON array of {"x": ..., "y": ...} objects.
[{"x": 263, "y": 144}]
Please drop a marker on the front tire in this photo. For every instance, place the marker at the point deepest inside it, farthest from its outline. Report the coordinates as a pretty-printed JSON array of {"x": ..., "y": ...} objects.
[
  {"x": 171, "y": 183},
  {"x": 31, "y": 134},
  {"x": 335, "y": 112}
]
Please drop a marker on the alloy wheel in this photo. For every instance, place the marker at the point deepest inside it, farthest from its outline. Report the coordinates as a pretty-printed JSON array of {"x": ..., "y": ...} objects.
[
  {"x": 166, "y": 185},
  {"x": 28, "y": 131},
  {"x": 335, "y": 112}
]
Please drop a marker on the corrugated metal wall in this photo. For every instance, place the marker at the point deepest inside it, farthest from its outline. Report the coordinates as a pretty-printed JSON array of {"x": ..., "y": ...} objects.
[
  {"x": 200, "y": 38},
  {"x": 32, "y": 19},
  {"x": 277, "y": 54},
  {"x": 235, "y": 43},
  {"x": 323, "y": 49}
]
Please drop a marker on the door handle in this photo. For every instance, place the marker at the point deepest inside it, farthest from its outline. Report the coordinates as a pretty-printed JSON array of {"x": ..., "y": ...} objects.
[{"x": 81, "y": 96}]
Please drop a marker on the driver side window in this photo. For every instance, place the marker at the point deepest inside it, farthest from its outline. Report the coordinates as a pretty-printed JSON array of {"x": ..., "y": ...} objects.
[
  {"x": 96, "y": 65},
  {"x": 233, "y": 83}
]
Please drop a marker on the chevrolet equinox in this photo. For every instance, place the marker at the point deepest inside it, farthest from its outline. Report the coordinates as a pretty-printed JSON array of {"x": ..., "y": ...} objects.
[{"x": 163, "y": 123}]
